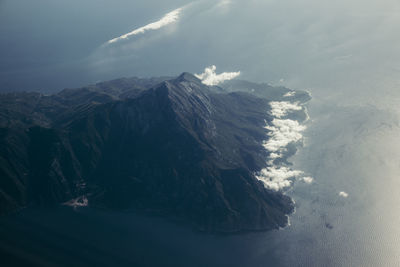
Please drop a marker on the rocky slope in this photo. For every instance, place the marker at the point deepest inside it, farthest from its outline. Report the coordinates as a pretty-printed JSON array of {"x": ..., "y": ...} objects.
[{"x": 169, "y": 146}]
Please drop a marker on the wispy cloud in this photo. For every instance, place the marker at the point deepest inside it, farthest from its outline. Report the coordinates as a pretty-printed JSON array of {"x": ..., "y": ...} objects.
[
  {"x": 169, "y": 18},
  {"x": 210, "y": 77}
]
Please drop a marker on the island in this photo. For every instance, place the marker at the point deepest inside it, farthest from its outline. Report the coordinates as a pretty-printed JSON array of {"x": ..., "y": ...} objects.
[{"x": 168, "y": 146}]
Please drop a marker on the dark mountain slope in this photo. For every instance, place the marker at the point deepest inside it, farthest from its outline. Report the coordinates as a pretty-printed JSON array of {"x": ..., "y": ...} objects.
[{"x": 178, "y": 148}]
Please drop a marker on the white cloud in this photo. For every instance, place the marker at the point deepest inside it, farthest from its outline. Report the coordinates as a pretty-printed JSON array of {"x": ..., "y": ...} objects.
[
  {"x": 280, "y": 109},
  {"x": 277, "y": 178},
  {"x": 275, "y": 155},
  {"x": 307, "y": 180},
  {"x": 343, "y": 194},
  {"x": 210, "y": 77},
  {"x": 282, "y": 133},
  {"x": 169, "y": 18}
]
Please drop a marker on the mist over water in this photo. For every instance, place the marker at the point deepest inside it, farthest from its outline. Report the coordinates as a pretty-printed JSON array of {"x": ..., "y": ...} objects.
[
  {"x": 332, "y": 48},
  {"x": 344, "y": 52}
]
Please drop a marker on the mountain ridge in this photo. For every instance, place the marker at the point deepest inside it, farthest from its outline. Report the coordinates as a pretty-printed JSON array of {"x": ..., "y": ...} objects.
[{"x": 177, "y": 147}]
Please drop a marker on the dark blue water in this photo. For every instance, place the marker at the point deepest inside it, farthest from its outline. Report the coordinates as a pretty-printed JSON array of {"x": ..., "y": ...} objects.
[{"x": 86, "y": 237}]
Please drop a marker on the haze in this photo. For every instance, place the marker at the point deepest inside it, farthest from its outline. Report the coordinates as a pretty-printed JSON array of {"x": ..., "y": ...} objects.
[
  {"x": 322, "y": 45},
  {"x": 345, "y": 52}
]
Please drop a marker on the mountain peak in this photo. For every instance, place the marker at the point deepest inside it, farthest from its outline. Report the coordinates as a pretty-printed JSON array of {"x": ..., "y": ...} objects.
[
  {"x": 186, "y": 76},
  {"x": 168, "y": 145}
]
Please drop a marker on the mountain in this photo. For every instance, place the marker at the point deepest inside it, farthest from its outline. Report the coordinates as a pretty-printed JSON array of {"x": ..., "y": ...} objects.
[{"x": 168, "y": 146}]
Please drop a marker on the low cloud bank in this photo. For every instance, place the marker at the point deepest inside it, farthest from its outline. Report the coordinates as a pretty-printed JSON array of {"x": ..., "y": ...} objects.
[
  {"x": 282, "y": 132},
  {"x": 277, "y": 177},
  {"x": 280, "y": 109}
]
